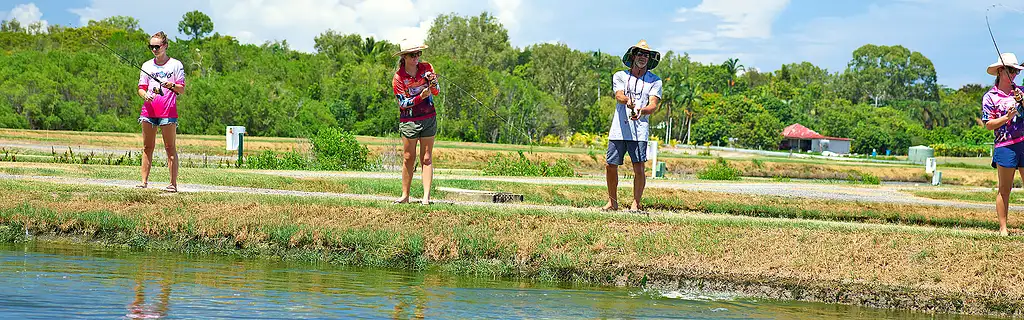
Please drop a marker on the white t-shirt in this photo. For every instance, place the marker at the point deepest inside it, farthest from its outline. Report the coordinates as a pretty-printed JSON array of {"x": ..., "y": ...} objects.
[
  {"x": 166, "y": 105},
  {"x": 640, "y": 90}
]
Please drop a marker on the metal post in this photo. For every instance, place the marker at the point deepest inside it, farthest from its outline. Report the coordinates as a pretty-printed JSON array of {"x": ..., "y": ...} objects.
[{"x": 241, "y": 143}]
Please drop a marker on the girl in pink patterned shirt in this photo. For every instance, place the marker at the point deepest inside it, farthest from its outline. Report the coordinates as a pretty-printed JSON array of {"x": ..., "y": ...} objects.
[{"x": 1000, "y": 109}]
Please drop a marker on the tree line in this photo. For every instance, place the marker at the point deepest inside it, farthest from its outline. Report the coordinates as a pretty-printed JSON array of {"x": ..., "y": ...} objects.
[{"x": 58, "y": 78}]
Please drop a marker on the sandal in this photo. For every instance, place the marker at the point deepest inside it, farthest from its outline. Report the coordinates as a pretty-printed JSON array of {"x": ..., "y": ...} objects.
[{"x": 171, "y": 189}]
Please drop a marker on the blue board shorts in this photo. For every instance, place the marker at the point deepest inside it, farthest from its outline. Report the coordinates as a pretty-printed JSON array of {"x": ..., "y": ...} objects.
[
  {"x": 617, "y": 150},
  {"x": 1011, "y": 156}
]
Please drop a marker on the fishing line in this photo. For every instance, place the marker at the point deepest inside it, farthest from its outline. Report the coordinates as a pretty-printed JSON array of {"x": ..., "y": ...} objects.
[{"x": 133, "y": 64}]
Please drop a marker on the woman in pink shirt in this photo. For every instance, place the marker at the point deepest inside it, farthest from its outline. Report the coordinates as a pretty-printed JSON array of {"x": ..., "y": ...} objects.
[
  {"x": 160, "y": 83},
  {"x": 1000, "y": 108},
  {"x": 415, "y": 86}
]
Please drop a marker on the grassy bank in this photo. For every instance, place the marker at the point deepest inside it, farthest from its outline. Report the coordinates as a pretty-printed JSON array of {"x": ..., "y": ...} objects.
[
  {"x": 579, "y": 196},
  {"x": 888, "y": 266}
]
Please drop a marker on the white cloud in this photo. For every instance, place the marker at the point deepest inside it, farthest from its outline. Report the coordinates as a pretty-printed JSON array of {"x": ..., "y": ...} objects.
[
  {"x": 716, "y": 29},
  {"x": 740, "y": 19},
  {"x": 508, "y": 13},
  {"x": 300, "y": 21},
  {"x": 27, "y": 14}
]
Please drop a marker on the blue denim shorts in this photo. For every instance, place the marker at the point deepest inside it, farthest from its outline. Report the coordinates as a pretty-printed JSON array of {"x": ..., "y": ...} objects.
[
  {"x": 158, "y": 121},
  {"x": 617, "y": 150},
  {"x": 1011, "y": 156}
]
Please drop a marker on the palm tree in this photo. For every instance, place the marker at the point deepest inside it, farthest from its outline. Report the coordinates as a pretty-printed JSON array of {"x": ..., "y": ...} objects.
[
  {"x": 733, "y": 66},
  {"x": 372, "y": 50}
]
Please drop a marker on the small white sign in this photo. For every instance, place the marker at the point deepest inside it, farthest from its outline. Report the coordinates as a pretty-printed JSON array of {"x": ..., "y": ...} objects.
[
  {"x": 231, "y": 136},
  {"x": 929, "y": 165},
  {"x": 652, "y": 157}
]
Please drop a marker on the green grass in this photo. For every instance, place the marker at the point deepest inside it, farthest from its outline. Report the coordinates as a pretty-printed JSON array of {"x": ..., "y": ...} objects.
[{"x": 579, "y": 196}]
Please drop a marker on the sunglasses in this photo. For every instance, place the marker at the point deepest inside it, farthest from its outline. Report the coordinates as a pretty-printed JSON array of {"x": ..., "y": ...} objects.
[
  {"x": 649, "y": 55},
  {"x": 154, "y": 47},
  {"x": 1012, "y": 71},
  {"x": 414, "y": 54}
]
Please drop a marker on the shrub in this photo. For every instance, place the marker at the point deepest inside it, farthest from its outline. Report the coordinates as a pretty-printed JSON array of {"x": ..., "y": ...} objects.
[
  {"x": 720, "y": 170},
  {"x": 960, "y": 150},
  {"x": 511, "y": 165},
  {"x": 272, "y": 160},
  {"x": 336, "y": 149}
]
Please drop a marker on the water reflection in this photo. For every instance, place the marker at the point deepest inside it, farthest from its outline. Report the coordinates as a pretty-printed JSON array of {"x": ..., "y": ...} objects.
[
  {"x": 139, "y": 309},
  {"x": 73, "y": 281}
]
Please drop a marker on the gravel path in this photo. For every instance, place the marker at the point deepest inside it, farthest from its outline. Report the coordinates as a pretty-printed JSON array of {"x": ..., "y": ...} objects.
[{"x": 81, "y": 150}]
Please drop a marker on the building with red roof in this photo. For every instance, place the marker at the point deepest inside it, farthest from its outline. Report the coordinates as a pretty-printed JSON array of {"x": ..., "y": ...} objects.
[{"x": 799, "y": 138}]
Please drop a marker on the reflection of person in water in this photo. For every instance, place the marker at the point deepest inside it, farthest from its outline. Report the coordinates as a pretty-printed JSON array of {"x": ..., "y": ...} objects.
[
  {"x": 419, "y": 295},
  {"x": 140, "y": 310}
]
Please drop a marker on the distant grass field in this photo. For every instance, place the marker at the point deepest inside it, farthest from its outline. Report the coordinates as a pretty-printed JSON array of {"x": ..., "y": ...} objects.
[{"x": 474, "y": 156}]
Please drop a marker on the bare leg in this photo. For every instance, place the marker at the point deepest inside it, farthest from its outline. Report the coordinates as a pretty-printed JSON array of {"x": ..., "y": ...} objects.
[
  {"x": 611, "y": 176},
  {"x": 169, "y": 133},
  {"x": 1003, "y": 197},
  {"x": 408, "y": 167},
  {"x": 639, "y": 183},
  {"x": 426, "y": 160},
  {"x": 148, "y": 143}
]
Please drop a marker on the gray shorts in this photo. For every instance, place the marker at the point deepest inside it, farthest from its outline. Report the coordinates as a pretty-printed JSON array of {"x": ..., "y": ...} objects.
[
  {"x": 617, "y": 150},
  {"x": 425, "y": 128}
]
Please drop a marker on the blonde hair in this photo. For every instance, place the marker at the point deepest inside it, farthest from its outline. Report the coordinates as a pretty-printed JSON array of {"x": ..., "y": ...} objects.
[{"x": 160, "y": 35}]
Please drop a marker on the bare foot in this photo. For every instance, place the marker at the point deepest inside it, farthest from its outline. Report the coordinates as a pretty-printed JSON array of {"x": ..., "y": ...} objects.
[
  {"x": 425, "y": 202},
  {"x": 636, "y": 207},
  {"x": 401, "y": 201},
  {"x": 611, "y": 206},
  {"x": 1004, "y": 232}
]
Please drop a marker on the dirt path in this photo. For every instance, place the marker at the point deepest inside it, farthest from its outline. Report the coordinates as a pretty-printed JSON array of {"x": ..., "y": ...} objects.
[{"x": 83, "y": 150}]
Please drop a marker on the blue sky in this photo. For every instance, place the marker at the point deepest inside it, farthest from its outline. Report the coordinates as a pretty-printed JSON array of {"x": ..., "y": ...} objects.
[{"x": 761, "y": 33}]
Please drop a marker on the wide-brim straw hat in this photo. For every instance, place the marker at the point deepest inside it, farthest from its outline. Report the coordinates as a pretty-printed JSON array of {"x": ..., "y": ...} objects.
[
  {"x": 1006, "y": 59},
  {"x": 627, "y": 59},
  {"x": 408, "y": 46}
]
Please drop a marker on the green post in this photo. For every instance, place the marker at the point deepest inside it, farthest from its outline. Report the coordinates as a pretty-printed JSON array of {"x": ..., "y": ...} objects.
[{"x": 241, "y": 143}]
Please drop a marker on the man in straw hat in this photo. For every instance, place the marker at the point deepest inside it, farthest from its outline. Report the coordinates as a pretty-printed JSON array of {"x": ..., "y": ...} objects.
[
  {"x": 415, "y": 85},
  {"x": 637, "y": 92},
  {"x": 999, "y": 111}
]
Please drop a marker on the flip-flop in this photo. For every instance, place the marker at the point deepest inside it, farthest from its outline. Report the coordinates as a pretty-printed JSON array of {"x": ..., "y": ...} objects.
[
  {"x": 171, "y": 189},
  {"x": 141, "y": 186},
  {"x": 400, "y": 201}
]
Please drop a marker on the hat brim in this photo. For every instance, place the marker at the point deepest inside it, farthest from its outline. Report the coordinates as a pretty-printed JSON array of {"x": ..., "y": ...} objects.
[
  {"x": 410, "y": 50},
  {"x": 627, "y": 59},
  {"x": 993, "y": 69}
]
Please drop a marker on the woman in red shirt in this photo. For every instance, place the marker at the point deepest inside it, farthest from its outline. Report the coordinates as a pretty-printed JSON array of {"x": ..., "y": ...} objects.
[{"x": 414, "y": 85}]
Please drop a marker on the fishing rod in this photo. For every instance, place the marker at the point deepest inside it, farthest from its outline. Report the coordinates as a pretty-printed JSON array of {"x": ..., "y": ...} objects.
[
  {"x": 1016, "y": 93},
  {"x": 495, "y": 112},
  {"x": 158, "y": 90}
]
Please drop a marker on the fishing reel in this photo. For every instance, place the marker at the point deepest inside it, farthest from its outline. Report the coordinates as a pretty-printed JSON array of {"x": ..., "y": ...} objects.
[{"x": 431, "y": 78}]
